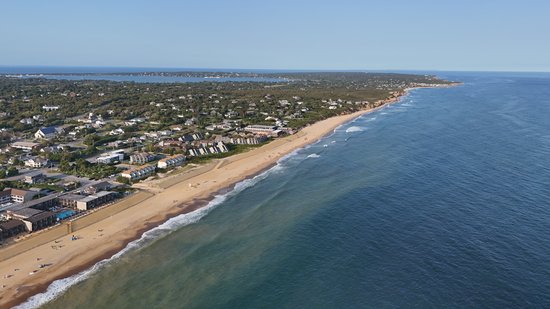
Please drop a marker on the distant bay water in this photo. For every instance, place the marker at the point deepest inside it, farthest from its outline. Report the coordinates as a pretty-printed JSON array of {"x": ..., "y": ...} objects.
[
  {"x": 441, "y": 200},
  {"x": 160, "y": 79},
  {"x": 123, "y": 74}
]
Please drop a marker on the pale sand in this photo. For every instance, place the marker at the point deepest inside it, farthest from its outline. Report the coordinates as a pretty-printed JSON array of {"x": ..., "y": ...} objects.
[{"x": 172, "y": 196}]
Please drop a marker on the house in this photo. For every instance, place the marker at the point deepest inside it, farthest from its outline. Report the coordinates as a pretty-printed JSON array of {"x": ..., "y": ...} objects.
[
  {"x": 171, "y": 161},
  {"x": 46, "y": 133},
  {"x": 34, "y": 177},
  {"x": 53, "y": 149},
  {"x": 50, "y": 108},
  {"x": 26, "y": 121},
  {"x": 5, "y": 197},
  {"x": 190, "y": 122},
  {"x": 112, "y": 157},
  {"x": 33, "y": 219},
  {"x": 263, "y": 130},
  {"x": 117, "y": 131},
  {"x": 138, "y": 173},
  {"x": 248, "y": 140},
  {"x": 97, "y": 187},
  {"x": 25, "y": 146},
  {"x": 11, "y": 228},
  {"x": 10, "y": 195},
  {"x": 36, "y": 162},
  {"x": 165, "y": 144},
  {"x": 209, "y": 148},
  {"x": 141, "y": 158}
]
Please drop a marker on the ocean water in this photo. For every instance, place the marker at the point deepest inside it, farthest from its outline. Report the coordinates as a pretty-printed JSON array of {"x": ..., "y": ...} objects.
[{"x": 440, "y": 200}]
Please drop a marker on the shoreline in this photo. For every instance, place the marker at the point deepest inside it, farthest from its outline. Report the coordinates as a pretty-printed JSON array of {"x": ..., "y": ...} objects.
[{"x": 126, "y": 226}]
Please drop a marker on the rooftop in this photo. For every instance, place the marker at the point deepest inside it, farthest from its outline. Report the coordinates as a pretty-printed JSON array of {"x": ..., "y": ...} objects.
[
  {"x": 10, "y": 224},
  {"x": 25, "y": 212},
  {"x": 48, "y": 130}
]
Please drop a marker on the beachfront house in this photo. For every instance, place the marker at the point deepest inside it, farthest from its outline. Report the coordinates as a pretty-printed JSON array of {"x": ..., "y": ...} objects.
[
  {"x": 138, "y": 173},
  {"x": 172, "y": 161}
]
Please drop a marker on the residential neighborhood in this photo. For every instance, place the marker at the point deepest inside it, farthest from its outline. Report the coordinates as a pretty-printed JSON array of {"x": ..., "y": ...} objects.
[{"x": 67, "y": 148}]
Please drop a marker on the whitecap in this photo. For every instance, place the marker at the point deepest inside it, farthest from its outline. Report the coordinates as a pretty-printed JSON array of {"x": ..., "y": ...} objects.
[
  {"x": 354, "y": 129},
  {"x": 313, "y": 155}
]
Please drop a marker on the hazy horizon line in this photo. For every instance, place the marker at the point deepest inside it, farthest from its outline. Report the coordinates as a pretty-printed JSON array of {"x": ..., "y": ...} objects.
[{"x": 212, "y": 69}]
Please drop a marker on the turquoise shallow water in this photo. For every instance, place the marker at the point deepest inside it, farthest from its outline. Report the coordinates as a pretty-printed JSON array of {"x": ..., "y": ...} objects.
[{"x": 441, "y": 200}]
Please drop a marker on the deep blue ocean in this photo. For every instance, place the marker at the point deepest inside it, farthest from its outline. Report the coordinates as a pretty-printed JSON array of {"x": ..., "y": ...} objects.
[{"x": 439, "y": 201}]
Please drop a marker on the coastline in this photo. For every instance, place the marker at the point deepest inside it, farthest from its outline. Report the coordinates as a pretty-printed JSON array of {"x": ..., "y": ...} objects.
[{"x": 103, "y": 239}]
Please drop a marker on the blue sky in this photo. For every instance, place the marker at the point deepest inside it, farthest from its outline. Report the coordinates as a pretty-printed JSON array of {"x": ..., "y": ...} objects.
[{"x": 486, "y": 35}]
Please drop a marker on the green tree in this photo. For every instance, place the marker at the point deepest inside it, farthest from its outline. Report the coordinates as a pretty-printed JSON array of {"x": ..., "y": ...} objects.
[
  {"x": 123, "y": 180},
  {"x": 12, "y": 171}
]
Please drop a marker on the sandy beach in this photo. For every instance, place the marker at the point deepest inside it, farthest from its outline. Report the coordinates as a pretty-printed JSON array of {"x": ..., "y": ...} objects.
[{"x": 22, "y": 276}]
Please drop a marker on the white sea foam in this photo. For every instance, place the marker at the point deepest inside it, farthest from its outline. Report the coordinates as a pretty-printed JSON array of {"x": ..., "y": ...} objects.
[
  {"x": 354, "y": 129},
  {"x": 58, "y": 287},
  {"x": 313, "y": 155}
]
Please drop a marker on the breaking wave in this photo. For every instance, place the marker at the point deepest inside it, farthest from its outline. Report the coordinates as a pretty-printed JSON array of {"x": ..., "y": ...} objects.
[{"x": 354, "y": 129}]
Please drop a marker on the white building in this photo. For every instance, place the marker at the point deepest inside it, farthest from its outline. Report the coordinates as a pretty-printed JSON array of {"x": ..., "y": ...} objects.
[
  {"x": 36, "y": 162},
  {"x": 263, "y": 130},
  {"x": 50, "y": 108},
  {"x": 115, "y": 156}
]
